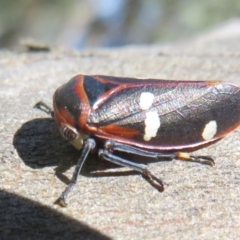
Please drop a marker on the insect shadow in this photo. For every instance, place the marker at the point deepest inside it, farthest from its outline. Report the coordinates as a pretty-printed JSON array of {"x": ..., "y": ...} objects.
[{"x": 39, "y": 144}]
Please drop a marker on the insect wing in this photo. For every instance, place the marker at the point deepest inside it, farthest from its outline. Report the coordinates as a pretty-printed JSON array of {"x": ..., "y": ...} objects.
[{"x": 166, "y": 115}]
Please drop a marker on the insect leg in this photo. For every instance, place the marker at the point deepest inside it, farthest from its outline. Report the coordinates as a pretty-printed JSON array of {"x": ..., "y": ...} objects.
[
  {"x": 112, "y": 146},
  {"x": 88, "y": 146},
  {"x": 44, "y": 107},
  {"x": 199, "y": 159},
  {"x": 106, "y": 155}
]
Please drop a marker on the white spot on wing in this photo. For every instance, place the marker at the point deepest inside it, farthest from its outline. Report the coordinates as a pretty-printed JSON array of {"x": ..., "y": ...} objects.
[
  {"x": 152, "y": 124},
  {"x": 146, "y": 100},
  {"x": 209, "y": 130}
]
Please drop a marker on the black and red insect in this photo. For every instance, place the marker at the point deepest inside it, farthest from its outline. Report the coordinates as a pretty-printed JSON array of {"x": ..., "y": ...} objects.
[{"x": 147, "y": 117}]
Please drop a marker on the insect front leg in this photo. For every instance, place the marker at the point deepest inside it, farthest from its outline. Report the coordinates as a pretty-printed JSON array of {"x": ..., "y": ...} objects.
[
  {"x": 89, "y": 145},
  {"x": 45, "y": 108}
]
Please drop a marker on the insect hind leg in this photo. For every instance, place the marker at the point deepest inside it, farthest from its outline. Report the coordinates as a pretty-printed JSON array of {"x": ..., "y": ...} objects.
[
  {"x": 112, "y": 146},
  {"x": 199, "y": 159}
]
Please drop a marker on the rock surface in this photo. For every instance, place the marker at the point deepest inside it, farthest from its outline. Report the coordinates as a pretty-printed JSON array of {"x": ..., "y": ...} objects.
[{"x": 199, "y": 202}]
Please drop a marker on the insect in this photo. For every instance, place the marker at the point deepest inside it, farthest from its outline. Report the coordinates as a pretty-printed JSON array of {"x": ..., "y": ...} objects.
[{"x": 148, "y": 117}]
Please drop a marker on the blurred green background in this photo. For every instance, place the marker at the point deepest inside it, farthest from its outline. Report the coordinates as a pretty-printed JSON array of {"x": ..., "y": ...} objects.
[{"x": 108, "y": 23}]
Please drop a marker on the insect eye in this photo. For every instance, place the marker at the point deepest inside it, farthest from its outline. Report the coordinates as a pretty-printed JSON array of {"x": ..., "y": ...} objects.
[{"x": 69, "y": 133}]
